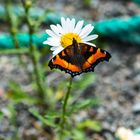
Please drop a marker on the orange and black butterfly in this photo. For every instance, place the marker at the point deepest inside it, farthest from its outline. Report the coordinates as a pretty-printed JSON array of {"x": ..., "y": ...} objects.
[{"x": 78, "y": 58}]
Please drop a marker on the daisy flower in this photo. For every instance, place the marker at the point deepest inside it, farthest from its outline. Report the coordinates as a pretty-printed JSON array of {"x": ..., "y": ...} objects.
[{"x": 61, "y": 35}]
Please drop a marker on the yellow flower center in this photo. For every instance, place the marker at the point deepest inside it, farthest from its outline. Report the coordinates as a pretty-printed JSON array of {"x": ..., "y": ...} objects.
[{"x": 67, "y": 39}]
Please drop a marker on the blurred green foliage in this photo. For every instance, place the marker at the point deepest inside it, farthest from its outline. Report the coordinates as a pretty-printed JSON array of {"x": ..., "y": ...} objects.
[
  {"x": 18, "y": 95},
  {"x": 87, "y": 3}
]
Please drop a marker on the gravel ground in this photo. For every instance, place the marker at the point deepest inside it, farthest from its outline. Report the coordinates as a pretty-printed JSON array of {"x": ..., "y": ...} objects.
[
  {"x": 118, "y": 88},
  {"x": 117, "y": 83}
]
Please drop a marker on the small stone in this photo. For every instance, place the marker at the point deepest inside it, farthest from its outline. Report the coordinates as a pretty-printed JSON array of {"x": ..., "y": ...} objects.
[{"x": 136, "y": 108}]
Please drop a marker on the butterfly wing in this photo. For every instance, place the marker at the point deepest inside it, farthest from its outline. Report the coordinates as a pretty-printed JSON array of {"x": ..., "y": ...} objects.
[
  {"x": 65, "y": 62},
  {"x": 74, "y": 64},
  {"x": 93, "y": 56}
]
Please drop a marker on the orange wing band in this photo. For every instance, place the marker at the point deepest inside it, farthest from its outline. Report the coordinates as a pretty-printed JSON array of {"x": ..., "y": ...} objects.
[
  {"x": 65, "y": 65},
  {"x": 93, "y": 58}
]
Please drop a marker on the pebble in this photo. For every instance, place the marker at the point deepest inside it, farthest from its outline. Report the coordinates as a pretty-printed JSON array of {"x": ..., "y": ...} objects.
[{"x": 136, "y": 108}]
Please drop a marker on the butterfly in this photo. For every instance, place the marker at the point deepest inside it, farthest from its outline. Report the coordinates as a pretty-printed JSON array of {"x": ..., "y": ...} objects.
[{"x": 78, "y": 58}]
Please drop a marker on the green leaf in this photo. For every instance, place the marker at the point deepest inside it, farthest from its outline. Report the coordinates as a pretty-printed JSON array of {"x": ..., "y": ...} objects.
[
  {"x": 17, "y": 94},
  {"x": 47, "y": 121},
  {"x": 117, "y": 138},
  {"x": 86, "y": 3},
  {"x": 93, "y": 125},
  {"x": 52, "y": 114},
  {"x": 78, "y": 134},
  {"x": 1, "y": 115},
  {"x": 83, "y": 82},
  {"x": 83, "y": 104}
]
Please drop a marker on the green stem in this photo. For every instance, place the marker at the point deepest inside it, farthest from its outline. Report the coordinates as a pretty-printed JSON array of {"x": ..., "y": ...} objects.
[
  {"x": 32, "y": 50},
  {"x": 63, "y": 117},
  {"x": 13, "y": 26},
  {"x": 12, "y": 23}
]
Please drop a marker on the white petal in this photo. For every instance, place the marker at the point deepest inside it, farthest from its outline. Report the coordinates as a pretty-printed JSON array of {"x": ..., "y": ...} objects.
[
  {"x": 72, "y": 25},
  {"x": 91, "y": 44},
  {"x": 54, "y": 48},
  {"x": 48, "y": 40},
  {"x": 78, "y": 27},
  {"x": 68, "y": 24},
  {"x": 63, "y": 23},
  {"x": 45, "y": 42},
  {"x": 86, "y": 30},
  {"x": 58, "y": 50},
  {"x": 60, "y": 28},
  {"x": 54, "y": 39},
  {"x": 51, "y": 33},
  {"x": 50, "y": 43},
  {"x": 55, "y": 29},
  {"x": 90, "y": 37}
]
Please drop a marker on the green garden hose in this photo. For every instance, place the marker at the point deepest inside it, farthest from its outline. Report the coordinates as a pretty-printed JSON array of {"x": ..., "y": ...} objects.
[
  {"x": 6, "y": 41},
  {"x": 124, "y": 30},
  {"x": 137, "y": 1}
]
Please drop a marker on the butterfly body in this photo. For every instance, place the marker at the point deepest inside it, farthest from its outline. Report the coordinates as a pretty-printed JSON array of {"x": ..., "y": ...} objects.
[{"x": 78, "y": 58}]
